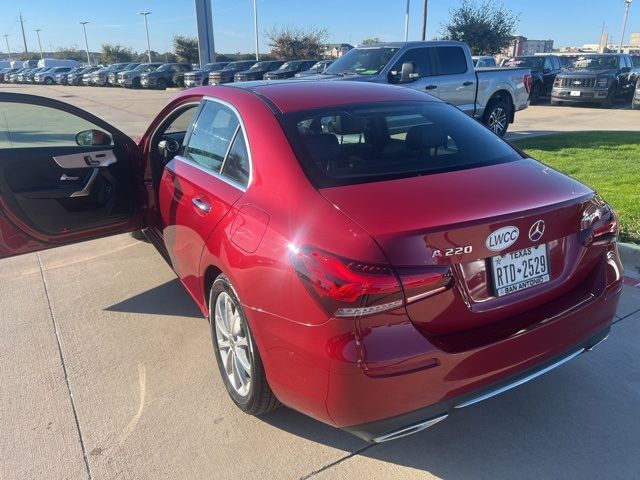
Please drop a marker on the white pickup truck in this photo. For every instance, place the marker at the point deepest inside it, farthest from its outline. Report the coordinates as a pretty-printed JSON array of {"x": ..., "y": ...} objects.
[{"x": 443, "y": 69}]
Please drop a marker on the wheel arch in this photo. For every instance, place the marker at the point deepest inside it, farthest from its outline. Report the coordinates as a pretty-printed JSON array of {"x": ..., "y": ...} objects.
[{"x": 507, "y": 97}]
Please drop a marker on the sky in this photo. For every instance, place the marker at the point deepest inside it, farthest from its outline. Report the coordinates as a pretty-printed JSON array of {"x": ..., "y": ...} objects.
[{"x": 568, "y": 22}]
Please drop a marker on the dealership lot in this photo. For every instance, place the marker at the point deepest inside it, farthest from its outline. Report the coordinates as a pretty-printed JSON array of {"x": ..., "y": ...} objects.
[{"x": 107, "y": 372}]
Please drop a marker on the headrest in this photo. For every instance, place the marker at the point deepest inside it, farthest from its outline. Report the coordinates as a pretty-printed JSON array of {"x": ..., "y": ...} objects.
[
  {"x": 348, "y": 124},
  {"x": 426, "y": 136},
  {"x": 323, "y": 147}
]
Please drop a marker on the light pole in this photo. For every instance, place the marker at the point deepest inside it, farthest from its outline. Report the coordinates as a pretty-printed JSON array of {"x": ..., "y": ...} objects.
[
  {"x": 425, "y": 7},
  {"x": 255, "y": 26},
  {"x": 86, "y": 43},
  {"x": 627, "y": 4},
  {"x": 146, "y": 28},
  {"x": 6, "y": 37},
  {"x": 38, "y": 30},
  {"x": 406, "y": 23}
]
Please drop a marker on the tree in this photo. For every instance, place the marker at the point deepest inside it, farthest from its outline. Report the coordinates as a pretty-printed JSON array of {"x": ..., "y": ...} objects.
[
  {"x": 291, "y": 43},
  {"x": 487, "y": 28},
  {"x": 71, "y": 53},
  {"x": 186, "y": 48},
  {"x": 114, "y": 53},
  {"x": 370, "y": 41}
]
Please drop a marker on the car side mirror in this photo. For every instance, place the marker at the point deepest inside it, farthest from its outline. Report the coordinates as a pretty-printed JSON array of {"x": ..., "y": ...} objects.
[
  {"x": 92, "y": 138},
  {"x": 408, "y": 73}
]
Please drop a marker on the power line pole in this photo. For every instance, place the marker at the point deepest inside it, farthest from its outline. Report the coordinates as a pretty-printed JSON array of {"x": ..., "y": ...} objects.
[
  {"x": 424, "y": 19},
  {"x": 86, "y": 43},
  {"x": 146, "y": 27},
  {"x": 24, "y": 37},
  {"x": 38, "y": 30},
  {"x": 406, "y": 23},
  {"x": 255, "y": 26},
  {"x": 6, "y": 37},
  {"x": 627, "y": 4}
]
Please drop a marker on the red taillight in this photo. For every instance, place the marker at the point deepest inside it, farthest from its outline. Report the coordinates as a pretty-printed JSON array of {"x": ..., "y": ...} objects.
[
  {"x": 347, "y": 288},
  {"x": 599, "y": 224},
  {"x": 528, "y": 81}
]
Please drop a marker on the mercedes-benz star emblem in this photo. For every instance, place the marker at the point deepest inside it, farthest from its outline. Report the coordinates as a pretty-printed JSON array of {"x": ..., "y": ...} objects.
[{"x": 536, "y": 231}]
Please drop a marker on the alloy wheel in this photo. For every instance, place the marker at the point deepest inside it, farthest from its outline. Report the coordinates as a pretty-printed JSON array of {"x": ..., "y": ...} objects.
[
  {"x": 234, "y": 344},
  {"x": 498, "y": 120}
]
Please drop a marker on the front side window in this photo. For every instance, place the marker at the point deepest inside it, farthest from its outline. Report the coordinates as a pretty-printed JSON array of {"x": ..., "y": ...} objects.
[
  {"x": 369, "y": 143},
  {"x": 211, "y": 136},
  {"x": 419, "y": 57},
  {"x": 452, "y": 60},
  {"x": 362, "y": 61}
]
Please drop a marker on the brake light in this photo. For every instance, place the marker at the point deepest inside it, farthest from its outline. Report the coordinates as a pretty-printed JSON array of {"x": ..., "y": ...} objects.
[
  {"x": 528, "y": 81},
  {"x": 347, "y": 288},
  {"x": 599, "y": 224}
]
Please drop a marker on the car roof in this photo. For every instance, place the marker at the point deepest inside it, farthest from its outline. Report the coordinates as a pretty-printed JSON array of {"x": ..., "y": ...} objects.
[
  {"x": 296, "y": 95},
  {"x": 426, "y": 43}
]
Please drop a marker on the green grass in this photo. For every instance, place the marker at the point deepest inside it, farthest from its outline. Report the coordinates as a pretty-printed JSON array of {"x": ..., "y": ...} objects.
[{"x": 609, "y": 162}]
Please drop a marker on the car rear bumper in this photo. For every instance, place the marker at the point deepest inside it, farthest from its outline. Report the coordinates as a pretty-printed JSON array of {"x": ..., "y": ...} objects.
[{"x": 380, "y": 378}]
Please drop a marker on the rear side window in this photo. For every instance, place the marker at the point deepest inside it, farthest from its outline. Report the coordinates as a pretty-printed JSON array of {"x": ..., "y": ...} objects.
[
  {"x": 369, "y": 143},
  {"x": 451, "y": 60},
  {"x": 236, "y": 166},
  {"x": 211, "y": 136}
]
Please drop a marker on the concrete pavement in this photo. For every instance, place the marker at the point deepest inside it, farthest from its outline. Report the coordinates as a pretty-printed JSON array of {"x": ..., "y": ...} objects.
[
  {"x": 132, "y": 110},
  {"x": 107, "y": 372}
]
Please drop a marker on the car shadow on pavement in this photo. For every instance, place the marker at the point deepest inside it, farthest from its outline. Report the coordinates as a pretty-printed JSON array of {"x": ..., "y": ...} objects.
[
  {"x": 170, "y": 298},
  {"x": 580, "y": 421}
]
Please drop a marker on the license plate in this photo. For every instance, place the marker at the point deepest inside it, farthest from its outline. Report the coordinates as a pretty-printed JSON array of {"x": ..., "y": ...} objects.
[
  {"x": 520, "y": 270},
  {"x": 574, "y": 93}
]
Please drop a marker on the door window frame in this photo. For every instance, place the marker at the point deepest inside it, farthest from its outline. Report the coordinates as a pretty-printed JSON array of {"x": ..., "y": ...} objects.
[{"x": 241, "y": 125}]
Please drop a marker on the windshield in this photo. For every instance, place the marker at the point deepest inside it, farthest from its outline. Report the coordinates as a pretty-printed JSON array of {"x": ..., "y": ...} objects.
[
  {"x": 318, "y": 67},
  {"x": 237, "y": 66},
  {"x": 636, "y": 61},
  {"x": 163, "y": 68},
  {"x": 288, "y": 65},
  {"x": 145, "y": 67},
  {"x": 535, "y": 63},
  {"x": 259, "y": 65},
  {"x": 596, "y": 62},
  {"x": 362, "y": 61},
  {"x": 369, "y": 143}
]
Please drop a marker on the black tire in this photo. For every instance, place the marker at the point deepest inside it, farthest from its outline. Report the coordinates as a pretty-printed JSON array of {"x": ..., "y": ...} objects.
[
  {"x": 635, "y": 105},
  {"x": 534, "y": 95},
  {"x": 610, "y": 100},
  {"x": 161, "y": 84},
  {"x": 135, "y": 83},
  {"x": 259, "y": 399},
  {"x": 496, "y": 116},
  {"x": 48, "y": 81}
]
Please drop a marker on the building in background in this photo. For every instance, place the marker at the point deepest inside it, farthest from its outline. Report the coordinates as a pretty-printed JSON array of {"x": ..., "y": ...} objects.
[
  {"x": 635, "y": 39},
  {"x": 523, "y": 46},
  {"x": 335, "y": 50}
]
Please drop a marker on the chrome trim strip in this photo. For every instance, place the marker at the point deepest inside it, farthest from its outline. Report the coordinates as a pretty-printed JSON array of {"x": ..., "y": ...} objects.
[
  {"x": 403, "y": 432},
  {"x": 519, "y": 382},
  {"x": 205, "y": 170},
  {"x": 588, "y": 349}
]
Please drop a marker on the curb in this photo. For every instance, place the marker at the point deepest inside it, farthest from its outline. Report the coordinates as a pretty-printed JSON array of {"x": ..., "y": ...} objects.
[
  {"x": 630, "y": 256},
  {"x": 175, "y": 89}
]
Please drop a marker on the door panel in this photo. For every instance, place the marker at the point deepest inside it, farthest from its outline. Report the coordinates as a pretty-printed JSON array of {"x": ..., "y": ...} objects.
[{"x": 54, "y": 191}]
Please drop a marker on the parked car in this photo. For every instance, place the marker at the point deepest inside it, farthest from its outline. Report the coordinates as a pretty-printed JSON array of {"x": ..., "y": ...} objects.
[
  {"x": 131, "y": 78},
  {"x": 595, "y": 78},
  {"x": 200, "y": 76},
  {"x": 162, "y": 77},
  {"x": 318, "y": 68},
  {"x": 31, "y": 77},
  {"x": 112, "y": 77},
  {"x": 403, "y": 273},
  {"x": 483, "y": 61},
  {"x": 289, "y": 69},
  {"x": 13, "y": 77},
  {"x": 4, "y": 74},
  {"x": 48, "y": 77},
  {"x": 443, "y": 69},
  {"x": 22, "y": 76},
  {"x": 544, "y": 69},
  {"x": 101, "y": 77},
  {"x": 61, "y": 78},
  {"x": 257, "y": 70},
  {"x": 635, "y": 102},
  {"x": 78, "y": 77},
  {"x": 226, "y": 74},
  {"x": 86, "y": 77}
]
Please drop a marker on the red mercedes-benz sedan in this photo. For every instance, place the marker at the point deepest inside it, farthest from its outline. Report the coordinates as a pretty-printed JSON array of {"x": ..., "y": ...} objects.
[{"x": 366, "y": 254}]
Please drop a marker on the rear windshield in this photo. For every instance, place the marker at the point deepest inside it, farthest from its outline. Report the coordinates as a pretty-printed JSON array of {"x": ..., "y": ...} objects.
[{"x": 369, "y": 143}]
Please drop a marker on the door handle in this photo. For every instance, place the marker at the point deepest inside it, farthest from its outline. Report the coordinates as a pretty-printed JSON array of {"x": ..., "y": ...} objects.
[
  {"x": 201, "y": 204},
  {"x": 67, "y": 178},
  {"x": 430, "y": 87},
  {"x": 86, "y": 190},
  {"x": 467, "y": 83}
]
